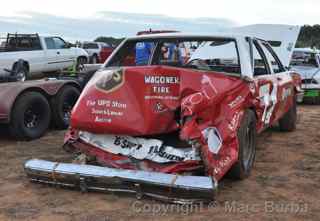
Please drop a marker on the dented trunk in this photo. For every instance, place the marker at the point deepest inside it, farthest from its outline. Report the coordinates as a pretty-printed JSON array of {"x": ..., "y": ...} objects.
[{"x": 130, "y": 118}]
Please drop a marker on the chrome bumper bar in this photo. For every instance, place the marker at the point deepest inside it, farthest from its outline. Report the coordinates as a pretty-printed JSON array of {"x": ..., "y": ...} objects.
[{"x": 166, "y": 187}]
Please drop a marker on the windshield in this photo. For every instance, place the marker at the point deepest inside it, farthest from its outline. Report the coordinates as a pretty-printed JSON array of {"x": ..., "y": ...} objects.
[
  {"x": 307, "y": 59},
  {"x": 214, "y": 54}
]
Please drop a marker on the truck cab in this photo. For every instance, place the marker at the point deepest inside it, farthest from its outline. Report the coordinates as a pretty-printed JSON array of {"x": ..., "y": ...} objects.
[{"x": 40, "y": 54}]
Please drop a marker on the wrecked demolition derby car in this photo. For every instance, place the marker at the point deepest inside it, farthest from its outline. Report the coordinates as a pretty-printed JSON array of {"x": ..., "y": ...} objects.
[{"x": 173, "y": 126}]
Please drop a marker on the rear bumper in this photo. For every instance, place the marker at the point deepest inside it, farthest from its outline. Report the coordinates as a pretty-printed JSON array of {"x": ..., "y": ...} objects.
[{"x": 167, "y": 187}]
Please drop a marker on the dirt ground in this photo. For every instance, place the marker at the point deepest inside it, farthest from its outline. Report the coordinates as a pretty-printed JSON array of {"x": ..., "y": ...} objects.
[{"x": 284, "y": 185}]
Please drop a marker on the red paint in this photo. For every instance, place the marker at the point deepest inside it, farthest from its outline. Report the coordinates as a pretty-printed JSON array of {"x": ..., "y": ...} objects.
[{"x": 199, "y": 99}]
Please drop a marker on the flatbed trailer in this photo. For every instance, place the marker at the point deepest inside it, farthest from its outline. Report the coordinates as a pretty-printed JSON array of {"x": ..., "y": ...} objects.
[{"x": 29, "y": 108}]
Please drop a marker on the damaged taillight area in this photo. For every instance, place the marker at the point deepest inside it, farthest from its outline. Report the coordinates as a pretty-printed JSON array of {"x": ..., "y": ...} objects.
[{"x": 190, "y": 129}]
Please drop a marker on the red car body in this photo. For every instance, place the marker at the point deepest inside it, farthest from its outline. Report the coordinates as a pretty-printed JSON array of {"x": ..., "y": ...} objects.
[
  {"x": 144, "y": 101},
  {"x": 105, "y": 54}
]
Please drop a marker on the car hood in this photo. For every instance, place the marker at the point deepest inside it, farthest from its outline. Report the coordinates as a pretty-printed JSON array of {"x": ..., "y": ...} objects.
[
  {"x": 307, "y": 72},
  {"x": 144, "y": 100}
]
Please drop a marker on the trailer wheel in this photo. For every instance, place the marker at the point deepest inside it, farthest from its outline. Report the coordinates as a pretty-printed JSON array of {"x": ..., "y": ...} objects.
[
  {"x": 289, "y": 120},
  {"x": 247, "y": 138},
  {"x": 62, "y": 105},
  {"x": 30, "y": 117}
]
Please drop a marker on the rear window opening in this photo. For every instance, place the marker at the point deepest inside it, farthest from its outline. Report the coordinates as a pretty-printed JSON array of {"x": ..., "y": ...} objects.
[{"x": 215, "y": 54}]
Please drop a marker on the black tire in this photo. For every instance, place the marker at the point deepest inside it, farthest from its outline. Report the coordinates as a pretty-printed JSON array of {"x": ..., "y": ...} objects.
[
  {"x": 62, "y": 105},
  {"x": 20, "y": 72},
  {"x": 94, "y": 59},
  {"x": 289, "y": 121},
  {"x": 247, "y": 138},
  {"x": 81, "y": 61},
  {"x": 311, "y": 100},
  {"x": 30, "y": 116}
]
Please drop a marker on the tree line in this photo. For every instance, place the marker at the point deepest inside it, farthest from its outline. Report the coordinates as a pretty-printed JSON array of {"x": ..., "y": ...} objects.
[{"x": 309, "y": 37}]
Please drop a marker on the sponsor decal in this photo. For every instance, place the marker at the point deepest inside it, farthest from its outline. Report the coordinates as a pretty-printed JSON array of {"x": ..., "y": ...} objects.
[
  {"x": 236, "y": 102},
  {"x": 286, "y": 93},
  {"x": 222, "y": 164},
  {"x": 159, "y": 108},
  {"x": 234, "y": 122},
  {"x": 111, "y": 82},
  {"x": 139, "y": 148},
  {"x": 105, "y": 110},
  {"x": 268, "y": 101},
  {"x": 161, "y": 84}
]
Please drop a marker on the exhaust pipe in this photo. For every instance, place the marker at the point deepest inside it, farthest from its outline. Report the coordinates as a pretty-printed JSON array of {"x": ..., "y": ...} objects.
[{"x": 166, "y": 187}]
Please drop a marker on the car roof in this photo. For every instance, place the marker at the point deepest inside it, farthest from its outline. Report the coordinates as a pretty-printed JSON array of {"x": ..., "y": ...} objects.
[{"x": 186, "y": 35}]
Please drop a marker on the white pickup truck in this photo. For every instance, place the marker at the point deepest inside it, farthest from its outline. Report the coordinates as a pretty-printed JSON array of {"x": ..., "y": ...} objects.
[{"x": 39, "y": 54}]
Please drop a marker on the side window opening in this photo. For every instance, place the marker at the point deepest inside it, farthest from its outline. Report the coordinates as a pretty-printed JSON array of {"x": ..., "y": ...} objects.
[
  {"x": 260, "y": 63},
  {"x": 90, "y": 46},
  {"x": 59, "y": 43},
  {"x": 50, "y": 43},
  {"x": 133, "y": 53},
  {"x": 275, "y": 62},
  {"x": 219, "y": 55}
]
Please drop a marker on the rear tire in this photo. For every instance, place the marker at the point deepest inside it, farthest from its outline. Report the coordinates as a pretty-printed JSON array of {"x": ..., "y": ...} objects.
[
  {"x": 289, "y": 121},
  {"x": 20, "y": 72},
  {"x": 30, "y": 117},
  {"x": 247, "y": 139},
  {"x": 62, "y": 105},
  {"x": 81, "y": 61},
  {"x": 94, "y": 59}
]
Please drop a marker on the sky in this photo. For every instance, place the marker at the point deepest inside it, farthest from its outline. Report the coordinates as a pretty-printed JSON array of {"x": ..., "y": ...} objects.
[{"x": 87, "y": 19}]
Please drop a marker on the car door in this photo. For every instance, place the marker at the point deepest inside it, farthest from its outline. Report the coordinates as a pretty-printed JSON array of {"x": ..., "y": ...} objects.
[
  {"x": 51, "y": 54},
  {"x": 268, "y": 85},
  {"x": 65, "y": 55},
  {"x": 283, "y": 79}
]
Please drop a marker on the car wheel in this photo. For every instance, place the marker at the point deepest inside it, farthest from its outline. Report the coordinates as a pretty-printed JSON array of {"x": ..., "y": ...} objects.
[
  {"x": 289, "y": 120},
  {"x": 311, "y": 100},
  {"x": 81, "y": 61},
  {"x": 30, "y": 117},
  {"x": 94, "y": 59},
  {"x": 247, "y": 139},
  {"x": 62, "y": 105},
  {"x": 20, "y": 73}
]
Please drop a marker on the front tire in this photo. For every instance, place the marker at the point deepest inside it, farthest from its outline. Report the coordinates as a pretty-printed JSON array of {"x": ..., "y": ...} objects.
[
  {"x": 62, "y": 105},
  {"x": 247, "y": 139},
  {"x": 30, "y": 117}
]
